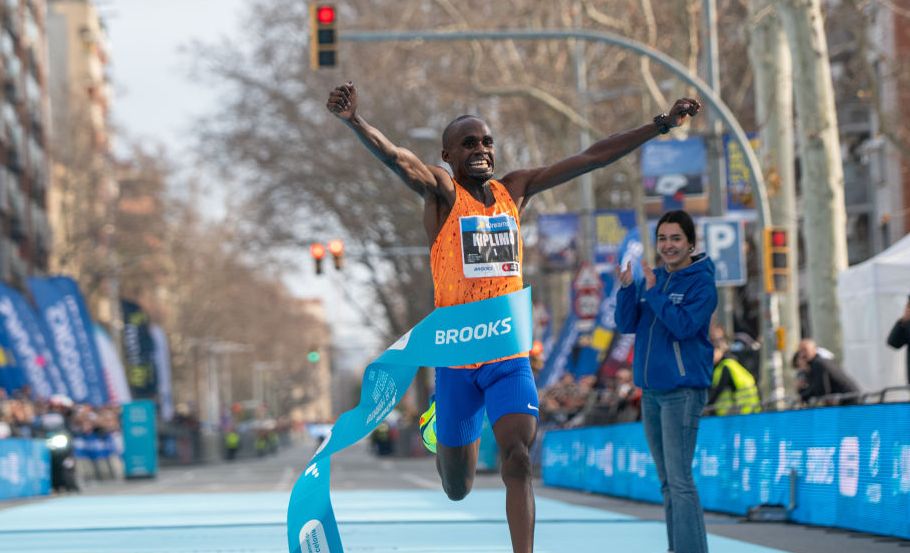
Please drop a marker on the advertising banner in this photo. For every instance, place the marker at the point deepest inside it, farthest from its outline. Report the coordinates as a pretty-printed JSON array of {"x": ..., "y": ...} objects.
[
  {"x": 139, "y": 351},
  {"x": 30, "y": 348},
  {"x": 162, "y": 359},
  {"x": 611, "y": 228},
  {"x": 69, "y": 327},
  {"x": 674, "y": 169},
  {"x": 558, "y": 235},
  {"x": 851, "y": 464},
  {"x": 25, "y": 468},
  {"x": 140, "y": 439},
  {"x": 12, "y": 377},
  {"x": 118, "y": 391},
  {"x": 739, "y": 178}
]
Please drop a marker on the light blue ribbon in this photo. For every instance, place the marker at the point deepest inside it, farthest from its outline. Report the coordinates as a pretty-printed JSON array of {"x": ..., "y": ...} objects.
[{"x": 449, "y": 336}]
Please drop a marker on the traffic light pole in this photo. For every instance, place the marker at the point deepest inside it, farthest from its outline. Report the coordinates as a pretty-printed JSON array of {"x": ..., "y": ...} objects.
[{"x": 770, "y": 317}]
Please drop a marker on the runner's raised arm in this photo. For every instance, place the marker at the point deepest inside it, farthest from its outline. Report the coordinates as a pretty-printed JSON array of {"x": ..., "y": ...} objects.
[
  {"x": 524, "y": 183},
  {"x": 417, "y": 175}
]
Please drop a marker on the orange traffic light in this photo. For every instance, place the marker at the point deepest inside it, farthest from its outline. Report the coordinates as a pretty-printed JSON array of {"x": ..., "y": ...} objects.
[
  {"x": 317, "y": 250},
  {"x": 336, "y": 248}
]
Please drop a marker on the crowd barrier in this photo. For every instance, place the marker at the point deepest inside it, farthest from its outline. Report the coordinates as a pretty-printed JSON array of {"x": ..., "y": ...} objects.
[
  {"x": 849, "y": 466},
  {"x": 25, "y": 468}
]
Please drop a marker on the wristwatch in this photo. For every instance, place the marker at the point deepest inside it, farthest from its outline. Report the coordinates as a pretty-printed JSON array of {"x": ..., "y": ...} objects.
[{"x": 663, "y": 122}]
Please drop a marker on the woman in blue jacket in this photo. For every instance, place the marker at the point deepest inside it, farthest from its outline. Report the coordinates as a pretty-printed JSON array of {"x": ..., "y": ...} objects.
[{"x": 670, "y": 313}]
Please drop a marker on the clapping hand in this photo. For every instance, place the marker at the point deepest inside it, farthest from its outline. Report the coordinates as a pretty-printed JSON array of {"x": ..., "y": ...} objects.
[
  {"x": 650, "y": 279},
  {"x": 624, "y": 275}
]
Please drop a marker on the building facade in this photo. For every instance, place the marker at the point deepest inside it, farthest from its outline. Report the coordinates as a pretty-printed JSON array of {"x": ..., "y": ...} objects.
[
  {"x": 84, "y": 190},
  {"x": 25, "y": 232}
]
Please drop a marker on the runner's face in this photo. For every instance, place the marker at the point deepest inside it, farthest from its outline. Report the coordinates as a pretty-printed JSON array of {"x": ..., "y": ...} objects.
[{"x": 470, "y": 151}]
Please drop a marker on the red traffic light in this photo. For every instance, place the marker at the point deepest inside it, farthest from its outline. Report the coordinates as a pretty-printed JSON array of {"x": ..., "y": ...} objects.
[
  {"x": 779, "y": 238},
  {"x": 325, "y": 15},
  {"x": 317, "y": 250},
  {"x": 336, "y": 247}
]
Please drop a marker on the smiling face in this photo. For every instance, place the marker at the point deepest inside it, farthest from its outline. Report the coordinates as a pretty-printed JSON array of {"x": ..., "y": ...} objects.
[
  {"x": 468, "y": 149},
  {"x": 673, "y": 246}
]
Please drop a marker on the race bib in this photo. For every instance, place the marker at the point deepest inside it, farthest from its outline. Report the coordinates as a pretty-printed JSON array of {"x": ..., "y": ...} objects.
[{"x": 489, "y": 246}]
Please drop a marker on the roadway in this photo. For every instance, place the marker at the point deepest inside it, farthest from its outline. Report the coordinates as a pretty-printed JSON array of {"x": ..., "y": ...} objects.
[{"x": 383, "y": 505}]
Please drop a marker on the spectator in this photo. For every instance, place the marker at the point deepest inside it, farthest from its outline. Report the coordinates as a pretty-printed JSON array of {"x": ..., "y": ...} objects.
[
  {"x": 899, "y": 337},
  {"x": 821, "y": 377},
  {"x": 670, "y": 314},
  {"x": 733, "y": 388}
]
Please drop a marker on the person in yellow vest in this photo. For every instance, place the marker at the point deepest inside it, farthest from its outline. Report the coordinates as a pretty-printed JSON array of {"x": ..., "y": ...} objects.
[{"x": 733, "y": 388}]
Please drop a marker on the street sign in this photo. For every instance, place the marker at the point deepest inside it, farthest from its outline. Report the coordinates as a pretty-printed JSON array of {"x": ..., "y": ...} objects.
[
  {"x": 588, "y": 292},
  {"x": 724, "y": 241}
]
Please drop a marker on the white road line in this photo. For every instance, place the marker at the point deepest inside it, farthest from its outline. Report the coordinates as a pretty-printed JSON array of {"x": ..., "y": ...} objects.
[
  {"x": 421, "y": 481},
  {"x": 287, "y": 478}
]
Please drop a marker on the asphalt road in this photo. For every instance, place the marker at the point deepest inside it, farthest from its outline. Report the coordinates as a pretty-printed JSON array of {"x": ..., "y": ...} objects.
[{"x": 356, "y": 469}]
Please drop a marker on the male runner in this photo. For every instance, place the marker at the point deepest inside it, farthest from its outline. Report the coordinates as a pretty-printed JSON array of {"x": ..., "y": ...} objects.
[{"x": 473, "y": 224}]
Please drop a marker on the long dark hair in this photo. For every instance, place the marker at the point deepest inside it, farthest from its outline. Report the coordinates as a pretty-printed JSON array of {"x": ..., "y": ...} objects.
[{"x": 681, "y": 218}]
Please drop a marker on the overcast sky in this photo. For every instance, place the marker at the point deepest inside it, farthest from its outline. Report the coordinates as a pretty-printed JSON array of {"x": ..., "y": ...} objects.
[
  {"x": 153, "y": 98},
  {"x": 155, "y": 102}
]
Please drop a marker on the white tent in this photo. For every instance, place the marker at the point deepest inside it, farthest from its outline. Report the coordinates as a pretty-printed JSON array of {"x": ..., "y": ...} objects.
[{"x": 872, "y": 297}]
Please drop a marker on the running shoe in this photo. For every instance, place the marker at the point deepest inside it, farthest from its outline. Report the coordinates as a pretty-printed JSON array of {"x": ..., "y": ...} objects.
[{"x": 428, "y": 426}]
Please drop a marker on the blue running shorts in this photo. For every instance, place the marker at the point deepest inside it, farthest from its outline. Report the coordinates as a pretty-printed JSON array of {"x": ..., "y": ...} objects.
[{"x": 502, "y": 387}]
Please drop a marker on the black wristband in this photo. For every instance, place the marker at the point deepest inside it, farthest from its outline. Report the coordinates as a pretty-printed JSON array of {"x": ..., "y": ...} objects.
[{"x": 663, "y": 122}]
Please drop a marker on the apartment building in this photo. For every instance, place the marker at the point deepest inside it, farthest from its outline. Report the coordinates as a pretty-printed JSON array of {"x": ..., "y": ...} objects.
[{"x": 25, "y": 233}]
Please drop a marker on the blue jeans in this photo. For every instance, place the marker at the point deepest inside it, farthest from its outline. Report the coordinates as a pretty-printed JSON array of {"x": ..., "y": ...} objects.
[{"x": 670, "y": 419}]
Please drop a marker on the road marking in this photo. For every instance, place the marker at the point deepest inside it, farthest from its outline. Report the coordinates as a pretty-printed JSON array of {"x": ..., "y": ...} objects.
[
  {"x": 425, "y": 483},
  {"x": 287, "y": 479}
]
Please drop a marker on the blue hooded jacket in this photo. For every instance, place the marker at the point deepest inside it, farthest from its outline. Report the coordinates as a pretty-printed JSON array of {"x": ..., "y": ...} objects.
[{"x": 670, "y": 322}]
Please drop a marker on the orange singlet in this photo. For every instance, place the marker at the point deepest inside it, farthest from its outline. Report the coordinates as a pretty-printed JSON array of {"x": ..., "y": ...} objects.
[{"x": 478, "y": 251}]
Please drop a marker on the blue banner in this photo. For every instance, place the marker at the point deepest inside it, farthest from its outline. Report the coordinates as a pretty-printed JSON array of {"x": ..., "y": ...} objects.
[
  {"x": 140, "y": 439},
  {"x": 674, "y": 169},
  {"x": 851, "y": 464},
  {"x": 69, "y": 327},
  {"x": 449, "y": 336},
  {"x": 30, "y": 349},
  {"x": 559, "y": 356},
  {"x": 611, "y": 229},
  {"x": 25, "y": 468},
  {"x": 12, "y": 377},
  {"x": 558, "y": 235}
]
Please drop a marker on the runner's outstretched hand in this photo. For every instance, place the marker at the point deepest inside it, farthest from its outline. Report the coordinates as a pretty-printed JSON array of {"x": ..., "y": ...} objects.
[{"x": 343, "y": 101}]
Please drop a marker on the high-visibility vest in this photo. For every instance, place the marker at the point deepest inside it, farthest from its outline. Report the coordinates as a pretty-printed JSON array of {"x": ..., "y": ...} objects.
[{"x": 744, "y": 399}]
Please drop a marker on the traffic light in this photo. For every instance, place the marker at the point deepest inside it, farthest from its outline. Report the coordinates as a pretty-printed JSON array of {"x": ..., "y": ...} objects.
[
  {"x": 323, "y": 38},
  {"x": 313, "y": 356},
  {"x": 777, "y": 260},
  {"x": 336, "y": 248},
  {"x": 317, "y": 250}
]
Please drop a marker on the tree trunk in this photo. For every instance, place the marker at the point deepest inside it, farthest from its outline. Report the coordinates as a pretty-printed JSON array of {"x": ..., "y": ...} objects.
[
  {"x": 822, "y": 172},
  {"x": 773, "y": 69}
]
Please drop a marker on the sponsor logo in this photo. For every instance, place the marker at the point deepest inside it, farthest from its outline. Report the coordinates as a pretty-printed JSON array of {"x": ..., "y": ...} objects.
[
  {"x": 532, "y": 408},
  {"x": 482, "y": 269},
  {"x": 848, "y": 466},
  {"x": 470, "y": 333},
  {"x": 68, "y": 355},
  {"x": 24, "y": 349},
  {"x": 510, "y": 267},
  {"x": 312, "y": 538}
]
